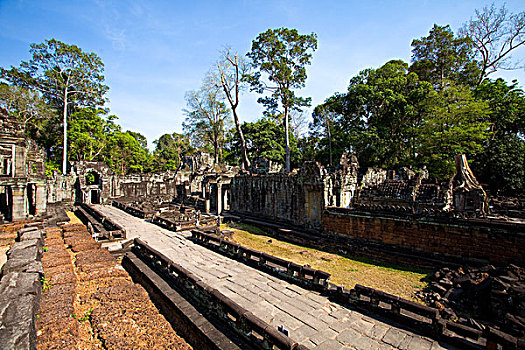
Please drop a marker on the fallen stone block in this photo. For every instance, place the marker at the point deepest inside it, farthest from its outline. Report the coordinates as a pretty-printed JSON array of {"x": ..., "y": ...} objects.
[
  {"x": 31, "y": 235},
  {"x": 15, "y": 284},
  {"x": 30, "y": 250},
  {"x": 22, "y": 265},
  {"x": 18, "y": 311}
]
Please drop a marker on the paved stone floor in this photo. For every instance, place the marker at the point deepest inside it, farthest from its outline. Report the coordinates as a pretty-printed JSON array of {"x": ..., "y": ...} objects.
[{"x": 310, "y": 318}]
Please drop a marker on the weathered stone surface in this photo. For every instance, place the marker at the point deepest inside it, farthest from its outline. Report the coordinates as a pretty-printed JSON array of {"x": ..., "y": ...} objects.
[
  {"x": 19, "y": 300},
  {"x": 312, "y": 320},
  {"x": 14, "y": 284},
  {"x": 31, "y": 235},
  {"x": 22, "y": 265},
  {"x": 28, "y": 250}
]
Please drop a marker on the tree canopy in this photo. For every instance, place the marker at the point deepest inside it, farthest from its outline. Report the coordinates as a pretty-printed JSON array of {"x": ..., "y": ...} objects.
[
  {"x": 281, "y": 55},
  {"x": 67, "y": 78}
]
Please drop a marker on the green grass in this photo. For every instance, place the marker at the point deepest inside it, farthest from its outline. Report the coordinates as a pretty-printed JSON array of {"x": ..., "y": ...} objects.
[{"x": 345, "y": 269}]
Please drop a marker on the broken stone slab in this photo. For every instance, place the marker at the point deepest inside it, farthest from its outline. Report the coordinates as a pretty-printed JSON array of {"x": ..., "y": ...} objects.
[
  {"x": 19, "y": 304},
  {"x": 30, "y": 250},
  {"x": 18, "y": 321},
  {"x": 34, "y": 224},
  {"x": 31, "y": 235},
  {"x": 22, "y": 265},
  {"x": 25, "y": 230},
  {"x": 19, "y": 335},
  {"x": 15, "y": 284}
]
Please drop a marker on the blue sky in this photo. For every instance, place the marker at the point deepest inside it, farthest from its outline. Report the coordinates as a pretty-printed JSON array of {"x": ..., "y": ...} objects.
[{"x": 155, "y": 51}]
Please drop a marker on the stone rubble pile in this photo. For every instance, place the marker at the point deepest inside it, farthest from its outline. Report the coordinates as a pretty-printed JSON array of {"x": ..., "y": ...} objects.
[{"x": 479, "y": 297}]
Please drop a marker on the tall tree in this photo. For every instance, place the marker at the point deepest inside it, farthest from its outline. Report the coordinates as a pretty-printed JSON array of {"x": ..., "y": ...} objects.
[
  {"x": 380, "y": 113},
  {"x": 66, "y": 76},
  {"x": 441, "y": 56},
  {"x": 457, "y": 124},
  {"x": 325, "y": 120},
  {"x": 495, "y": 34},
  {"x": 282, "y": 55},
  {"x": 25, "y": 105},
  {"x": 231, "y": 71},
  {"x": 168, "y": 150},
  {"x": 501, "y": 165},
  {"x": 206, "y": 117},
  {"x": 89, "y": 130}
]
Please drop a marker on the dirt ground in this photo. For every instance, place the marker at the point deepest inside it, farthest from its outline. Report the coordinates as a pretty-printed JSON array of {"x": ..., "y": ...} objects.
[{"x": 345, "y": 270}]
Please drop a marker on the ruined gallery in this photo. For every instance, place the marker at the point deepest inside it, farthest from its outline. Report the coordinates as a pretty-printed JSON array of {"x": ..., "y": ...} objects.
[
  {"x": 149, "y": 250},
  {"x": 262, "y": 175}
]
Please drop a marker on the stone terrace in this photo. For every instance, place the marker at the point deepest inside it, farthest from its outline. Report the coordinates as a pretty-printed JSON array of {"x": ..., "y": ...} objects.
[{"x": 310, "y": 318}]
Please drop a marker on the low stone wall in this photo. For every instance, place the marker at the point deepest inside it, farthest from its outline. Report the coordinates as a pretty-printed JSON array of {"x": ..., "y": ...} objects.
[
  {"x": 499, "y": 243},
  {"x": 20, "y": 289}
]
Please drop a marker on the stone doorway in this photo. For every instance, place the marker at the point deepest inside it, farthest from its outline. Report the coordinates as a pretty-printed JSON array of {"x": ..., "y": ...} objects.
[
  {"x": 95, "y": 196},
  {"x": 31, "y": 198},
  {"x": 6, "y": 203}
]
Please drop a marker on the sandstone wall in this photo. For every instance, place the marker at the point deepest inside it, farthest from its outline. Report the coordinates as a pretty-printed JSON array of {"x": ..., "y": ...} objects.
[
  {"x": 293, "y": 198},
  {"x": 497, "y": 243}
]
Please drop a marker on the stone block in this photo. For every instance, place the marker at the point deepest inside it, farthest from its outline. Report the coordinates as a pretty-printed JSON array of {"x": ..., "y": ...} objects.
[
  {"x": 19, "y": 303},
  {"x": 22, "y": 265},
  {"x": 19, "y": 335},
  {"x": 30, "y": 250},
  {"x": 31, "y": 235},
  {"x": 15, "y": 284},
  {"x": 25, "y": 230}
]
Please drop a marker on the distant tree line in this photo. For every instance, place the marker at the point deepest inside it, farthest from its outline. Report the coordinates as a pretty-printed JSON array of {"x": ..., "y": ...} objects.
[{"x": 415, "y": 114}]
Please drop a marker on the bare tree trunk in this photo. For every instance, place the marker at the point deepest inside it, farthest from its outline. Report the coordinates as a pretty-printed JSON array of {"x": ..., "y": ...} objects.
[
  {"x": 287, "y": 139},
  {"x": 246, "y": 165},
  {"x": 64, "y": 159},
  {"x": 216, "y": 153},
  {"x": 329, "y": 140}
]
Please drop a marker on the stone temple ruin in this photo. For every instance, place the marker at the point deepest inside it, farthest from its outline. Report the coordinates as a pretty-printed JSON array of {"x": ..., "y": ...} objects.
[
  {"x": 22, "y": 174},
  {"x": 391, "y": 215}
]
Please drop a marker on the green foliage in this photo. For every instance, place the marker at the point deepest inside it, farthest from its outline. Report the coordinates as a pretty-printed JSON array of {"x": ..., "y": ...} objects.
[
  {"x": 51, "y": 167},
  {"x": 63, "y": 73},
  {"x": 281, "y": 55},
  {"x": 457, "y": 124},
  {"x": 140, "y": 138},
  {"x": 168, "y": 150},
  {"x": 125, "y": 154},
  {"x": 207, "y": 118},
  {"x": 66, "y": 77},
  {"x": 90, "y": 179},
  {"x": 24, "y": 104},
  {"x": 376, "y": 119},
  {"x": 265, "y": 138},
  {"x": 46, "y": 284},
  {"x": 86, "y": 317},
  {"x": 501, "y": 165},
  {"x": 440, "y": 56},
  {"x": 88, "y": 134}
]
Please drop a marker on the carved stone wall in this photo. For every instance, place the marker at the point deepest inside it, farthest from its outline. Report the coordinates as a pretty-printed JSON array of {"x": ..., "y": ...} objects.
[
  {"x": 22, "y": 174},
  {"x": 292, "y": 198}
]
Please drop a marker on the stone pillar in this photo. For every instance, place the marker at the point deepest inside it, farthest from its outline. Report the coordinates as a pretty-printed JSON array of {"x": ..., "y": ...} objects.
[
  {"x": 226, "y": 199},
  {"x": 40, "y": 198},
  {"x": 219, "y": 199},
  {"x": 19, "y": 202}
]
